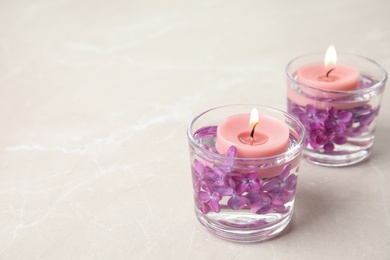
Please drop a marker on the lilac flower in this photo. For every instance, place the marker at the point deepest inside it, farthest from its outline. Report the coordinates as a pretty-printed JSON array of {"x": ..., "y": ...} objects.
[
  {"x": 226, "y": 164},
  {"x": 337, "y": 119},
  {"x": 237, "y": 200},
  {"x": 211, "y": 197},
  {"x": 328, "y": 147},
  {"x": 266, "y": 205},
  {"x": 218, "y": 182},
  {"x": 312, "y": 117},
  {"x": 274, "y": 193},
  {"x": 281, "y": 189},
  {"x": 319, "y": 136},
  {"x": 216, "y": 176},
  {"x": 204, "y": 174},
  {"x": 263, "y": 206},
  {"x": 246, "y": 182},
  {"x": 209, "y": 176}
]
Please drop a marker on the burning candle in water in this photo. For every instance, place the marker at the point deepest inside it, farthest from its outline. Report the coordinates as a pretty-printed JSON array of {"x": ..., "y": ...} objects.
[
  {"x": 254, "y": 136},
  {"x": 329, "y": 76}
]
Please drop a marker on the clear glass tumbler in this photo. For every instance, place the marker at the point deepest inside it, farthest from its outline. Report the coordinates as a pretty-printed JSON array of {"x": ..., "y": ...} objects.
[
  {"x": 243, "y": 199},
  {"x": 340, "y": 124}
]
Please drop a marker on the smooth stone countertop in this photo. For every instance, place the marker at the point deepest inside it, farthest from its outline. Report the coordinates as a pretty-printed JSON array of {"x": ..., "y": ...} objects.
[{"x": 94, "y": 104}]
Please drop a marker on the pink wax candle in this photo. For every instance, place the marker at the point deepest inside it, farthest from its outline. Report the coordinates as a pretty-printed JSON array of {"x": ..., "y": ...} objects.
[
  {"x": 254, "y": 136},
  {"x": 322, "y": 79},
  {"x": 329, "y": 76}
]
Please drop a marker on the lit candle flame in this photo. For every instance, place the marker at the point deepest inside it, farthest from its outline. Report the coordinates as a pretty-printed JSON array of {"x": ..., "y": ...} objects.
[
  {"x": 330, "y": 57},
  {"x": 254, "y": 119}
]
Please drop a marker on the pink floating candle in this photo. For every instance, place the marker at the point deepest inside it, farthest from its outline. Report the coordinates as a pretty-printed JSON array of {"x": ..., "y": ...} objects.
[
  {"x": 329, "y": 76},
  {"x": 254, "y": 136}
]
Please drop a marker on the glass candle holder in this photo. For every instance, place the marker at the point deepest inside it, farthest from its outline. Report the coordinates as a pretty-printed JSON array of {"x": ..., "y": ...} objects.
[
  {"x": 340, "y": 124},
  {"x": 243, "y": 199}
]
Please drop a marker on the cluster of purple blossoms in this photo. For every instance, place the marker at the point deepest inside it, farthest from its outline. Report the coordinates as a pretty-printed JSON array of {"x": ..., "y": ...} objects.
[
  {"x": 329, "y": 127},
  {"x": 242, "y": 190}
]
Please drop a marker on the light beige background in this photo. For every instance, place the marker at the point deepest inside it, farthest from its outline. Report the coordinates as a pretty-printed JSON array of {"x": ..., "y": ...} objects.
[{"x": 95, "y": 98}]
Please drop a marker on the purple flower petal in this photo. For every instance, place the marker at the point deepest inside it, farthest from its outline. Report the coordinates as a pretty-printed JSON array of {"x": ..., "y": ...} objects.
[
  {"x": 310, "y": 109},
  {"x": 290, "y": 182},
  {"x": 366, "y": 119},
  {"x": 214, "y": 202},
  {"x": 313, "y": 144},
  {"x": 264, "y": 210},
  {"x": 205, "y": 208},
  {"x": 331, "y": 111},
  {"x": 208, "y": 131},
  {"x": 203, "y": 196},
  {"x": 340, "y": 140},
  {"x": 222, "y": 190},
  {"x": 272, "y": 185},
  {"x": 319, "y": 136},
  {"x": 199, "y": 167},
  {"x": 361, "y": 110},
  {"x": 280, "y": 208},
  {"x": 304, "y": 119},
  {"x": 311, "y": 117},
  {"x": 232, "y": 151},
  {"x": 344, "y": 116},
  {"x": 329, "y": 147},
  {"x": 285, "y": 172},
  {"x": 227, "y": 163},
  {"x": 283, "y": 197},
  {"x": 337, "y": 119},
  {"x": 210, "y": 176}
]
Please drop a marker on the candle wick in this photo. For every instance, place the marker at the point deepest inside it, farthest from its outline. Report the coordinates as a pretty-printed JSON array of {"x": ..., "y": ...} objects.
[
  {"x": 327, "y": 74},
  {"x": 253, "y": 130}
]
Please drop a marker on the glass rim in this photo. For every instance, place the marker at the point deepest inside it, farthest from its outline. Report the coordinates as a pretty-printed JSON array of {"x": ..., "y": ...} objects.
[
  {"x": 290, "y": 152},
  {"x": 377, "y": 85}
]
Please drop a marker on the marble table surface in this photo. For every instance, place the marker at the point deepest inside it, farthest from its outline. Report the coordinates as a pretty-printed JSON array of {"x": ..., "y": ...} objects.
[{"x": 95, "y": 100}]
